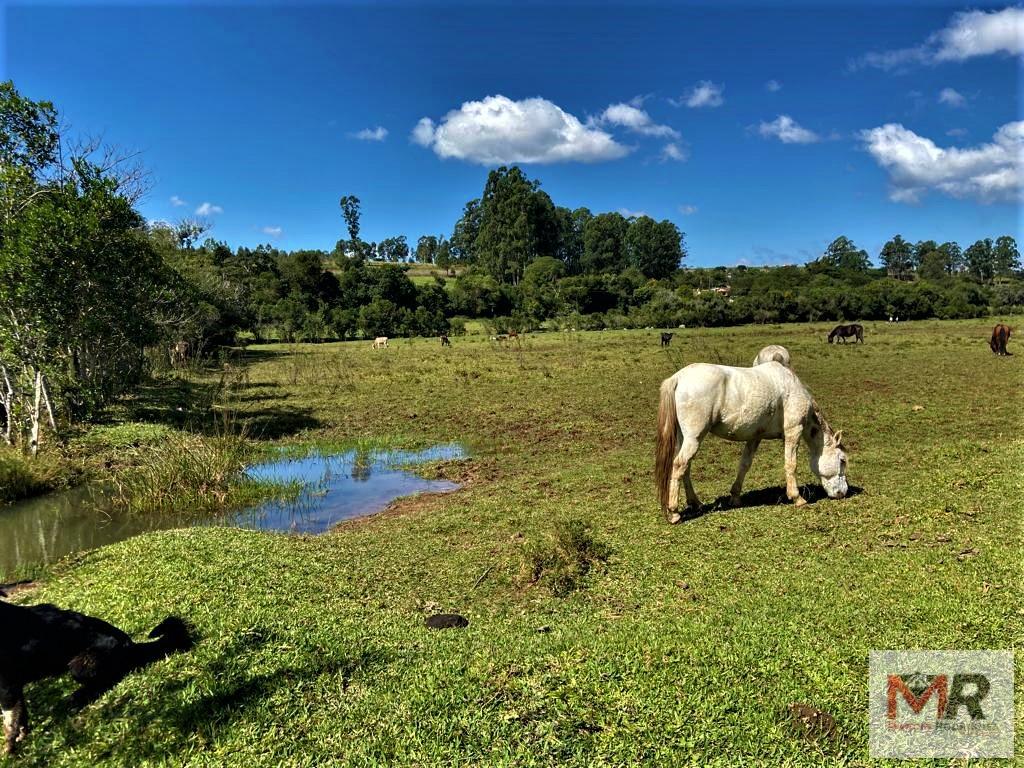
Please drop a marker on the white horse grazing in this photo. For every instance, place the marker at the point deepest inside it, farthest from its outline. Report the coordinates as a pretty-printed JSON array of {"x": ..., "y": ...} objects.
[
  {"x": 380, "y": 342},
  {"x": 773, "y": 352},
  {"x": 747, "y": 405}
]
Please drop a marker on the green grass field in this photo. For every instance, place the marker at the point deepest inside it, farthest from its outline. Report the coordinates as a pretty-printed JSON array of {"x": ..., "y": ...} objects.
[{"x": 685, "y": 649}]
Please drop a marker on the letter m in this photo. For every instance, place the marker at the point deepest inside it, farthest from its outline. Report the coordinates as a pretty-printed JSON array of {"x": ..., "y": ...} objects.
[{"x": 916, "y": 703}]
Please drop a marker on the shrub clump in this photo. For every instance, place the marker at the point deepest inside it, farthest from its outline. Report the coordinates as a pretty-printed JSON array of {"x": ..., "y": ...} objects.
[{"x": 562, "y": 562}]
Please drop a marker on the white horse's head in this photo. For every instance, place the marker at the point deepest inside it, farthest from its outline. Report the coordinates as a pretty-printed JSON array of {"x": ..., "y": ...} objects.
[{"x": 828, "y": 462}]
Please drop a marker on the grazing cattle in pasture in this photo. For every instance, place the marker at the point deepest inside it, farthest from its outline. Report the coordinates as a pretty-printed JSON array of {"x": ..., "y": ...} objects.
[
  {"x": 179, "y": 353},
  {"x": 43, "y": 641},
  {"x": 380, "y": 342},
  {"x": 845, "y": 331},
  {"x": 501, "y": 338},
  {"x": 512, "y": 335},
  {"x": 445, "y": 341},
  {"x": 666, "y": 339},
  {"x": 773, "y": 352},
  {"x": 747, "y": 405},
  {"x": 1000, "y": 335}
]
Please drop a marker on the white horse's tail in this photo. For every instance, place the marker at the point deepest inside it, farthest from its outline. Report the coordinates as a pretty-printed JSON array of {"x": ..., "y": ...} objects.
[{"x": 668, "y": 438}]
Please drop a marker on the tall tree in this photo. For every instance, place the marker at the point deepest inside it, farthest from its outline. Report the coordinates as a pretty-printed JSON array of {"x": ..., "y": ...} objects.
[
  {"x": 921, "y": 249},
  {"x": 517, "y": 224},
  {"x": 394, "y": 249},
  {"x": 350, "y": 212},
  {"x": 897, "y": 258},
  {"x": 654, "y": 248},
  {"x": 467, "y": 228},
  {"x": 980, "y": 260},
  {"x": 954, "y": 257},
  {"x": 1005, "y": 256},
  {"x": 571, "y": 225},
  {"x": 604, "y": 246},
  {"x": 426, "y": 249}
]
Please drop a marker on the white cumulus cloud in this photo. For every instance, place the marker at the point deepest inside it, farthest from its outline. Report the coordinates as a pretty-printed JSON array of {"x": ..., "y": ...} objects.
[
  {"x": 915, "y": 164},
  {"x": 968, "y": 34},
  {"x": 497, "y": 130},
  {"x": 773, "y": 86},
  {"x": 672, "y": 151},
  {"x": 177, "y": 202},
  {"x": 208, "y": 209},
  {"x": 703, "y": 94},
  {"x": 635, "y": 119},
  {"x": 952, "y": 98},
  {"x": 687, "y": 210},
  {"x": 271, "y": 231},
  {"x": 371, "y": 134},
  {"x": 788, "y": 131}
]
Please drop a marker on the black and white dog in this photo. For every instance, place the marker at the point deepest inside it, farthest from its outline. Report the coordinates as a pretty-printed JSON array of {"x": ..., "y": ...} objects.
[{"x": 42, "y": 641}]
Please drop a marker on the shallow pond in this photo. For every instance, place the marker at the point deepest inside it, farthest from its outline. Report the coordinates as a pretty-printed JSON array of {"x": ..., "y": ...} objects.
[{"x": 335, "y": 487}]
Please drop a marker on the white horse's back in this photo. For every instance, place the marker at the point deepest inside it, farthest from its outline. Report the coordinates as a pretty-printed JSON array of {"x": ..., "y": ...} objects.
[
  {"x": 737, "y": 403},
  {"x": 775, "y": 352}
]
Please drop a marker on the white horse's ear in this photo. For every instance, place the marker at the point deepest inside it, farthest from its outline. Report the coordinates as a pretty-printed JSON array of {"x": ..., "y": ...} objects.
[{"x": 837, "y": 438}]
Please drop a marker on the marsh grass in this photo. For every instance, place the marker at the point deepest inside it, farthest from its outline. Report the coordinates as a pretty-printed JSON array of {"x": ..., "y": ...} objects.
[
  {"x": 22, "y": 476},
  {"x": 194, "y": 475}
]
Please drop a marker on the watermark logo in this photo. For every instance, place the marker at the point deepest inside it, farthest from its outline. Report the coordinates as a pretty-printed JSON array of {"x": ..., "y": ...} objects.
[{"x": 941, "y": 703}]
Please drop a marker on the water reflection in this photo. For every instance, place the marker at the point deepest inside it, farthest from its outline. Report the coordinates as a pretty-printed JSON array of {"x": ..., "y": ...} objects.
[{"x": 335, "y": 487}]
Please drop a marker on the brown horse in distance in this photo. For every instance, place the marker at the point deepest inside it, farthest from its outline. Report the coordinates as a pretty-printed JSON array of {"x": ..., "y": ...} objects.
[{"x": 1000, "y": 335}]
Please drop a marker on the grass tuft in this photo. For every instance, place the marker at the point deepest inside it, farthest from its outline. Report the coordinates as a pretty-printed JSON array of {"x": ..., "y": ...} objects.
[{"x": 563, "y": 561}]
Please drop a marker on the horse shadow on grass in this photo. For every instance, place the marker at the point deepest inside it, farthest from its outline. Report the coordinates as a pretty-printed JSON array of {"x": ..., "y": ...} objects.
[
  {"x": 763, "y": 497},
  {"x": 173, "y": 716}
]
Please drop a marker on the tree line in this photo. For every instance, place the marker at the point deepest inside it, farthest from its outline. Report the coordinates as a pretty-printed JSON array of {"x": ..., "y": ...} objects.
[{"x": 92, "y": 295}]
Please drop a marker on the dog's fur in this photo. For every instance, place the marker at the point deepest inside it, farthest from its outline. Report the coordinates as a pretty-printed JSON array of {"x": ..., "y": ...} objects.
[{"x": 42, "y": 641}]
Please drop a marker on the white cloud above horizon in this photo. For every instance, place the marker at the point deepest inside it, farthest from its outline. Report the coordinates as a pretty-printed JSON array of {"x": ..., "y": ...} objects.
[
  {"x": 687, "y": 210},
  {"x": 952, "y": 98},
  {"x": 788, "y": 131},
  {"x": 773, "y": 86},
  {"x": 632, "y": 214},
  {"x": 635, "y": 119},
  {"x": 703, "y": 94},
  {"x": 497, "y": 130},
  {"x": 272, "y": 231},
  {"x": 208, "y": 209},
  {"x": 371, "y": 134},
  {"x": 673, "y": 151},
  {"x": 967, "y": 35},
  {"x": 177, "y": 202},
  {"x": 916, "y": 165}
]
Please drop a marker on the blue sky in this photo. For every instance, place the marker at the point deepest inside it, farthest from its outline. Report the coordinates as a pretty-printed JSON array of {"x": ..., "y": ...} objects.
[{"x": 763, "y": 131}]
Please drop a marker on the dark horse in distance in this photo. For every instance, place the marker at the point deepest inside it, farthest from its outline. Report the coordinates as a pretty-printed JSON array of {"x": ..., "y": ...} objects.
[
  {"x": 845, "y": 331},
  {"x": 1000, "y": 335},
  {"x": 666, "y": 339}
]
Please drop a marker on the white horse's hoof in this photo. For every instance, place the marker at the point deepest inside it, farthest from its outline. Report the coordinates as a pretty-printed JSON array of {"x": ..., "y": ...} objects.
[
  {"x": 799, "y": 501},
  {"x": 673, "y": 517}
]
